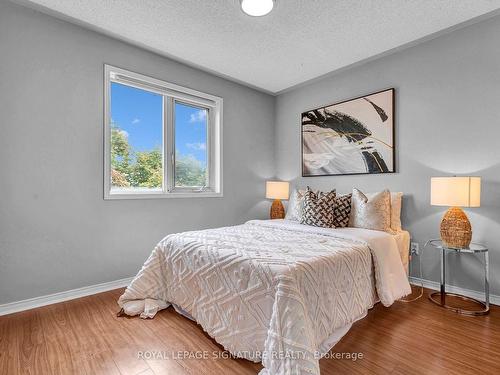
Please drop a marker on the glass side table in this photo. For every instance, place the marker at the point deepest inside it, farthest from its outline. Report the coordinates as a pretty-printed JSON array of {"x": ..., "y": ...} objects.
[{"x": 439, "y": 298}]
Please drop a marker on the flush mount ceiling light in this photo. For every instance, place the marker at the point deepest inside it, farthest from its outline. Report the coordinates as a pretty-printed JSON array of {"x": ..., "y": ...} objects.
[{"x": 257, "y": 8}]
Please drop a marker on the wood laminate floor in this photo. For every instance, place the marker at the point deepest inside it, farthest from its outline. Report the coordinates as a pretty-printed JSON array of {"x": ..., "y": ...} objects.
[{"x": 84, "y": 336}]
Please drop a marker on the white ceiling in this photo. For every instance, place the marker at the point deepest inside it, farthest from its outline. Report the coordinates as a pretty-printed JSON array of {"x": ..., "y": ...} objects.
[{"x": 298, "y": 41}]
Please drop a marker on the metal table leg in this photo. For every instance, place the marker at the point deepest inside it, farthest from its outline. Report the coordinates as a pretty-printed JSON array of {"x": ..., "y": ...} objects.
[
  {"x": 487, "y": 280},
  {"x": 439, "y": 298},
  {"x": 443, "y": 277}
]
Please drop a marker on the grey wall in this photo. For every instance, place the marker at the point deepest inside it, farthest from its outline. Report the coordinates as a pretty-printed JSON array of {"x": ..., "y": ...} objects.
[
  {"x": 56, "y": 231},
  {"x": 447, "y": 122}
]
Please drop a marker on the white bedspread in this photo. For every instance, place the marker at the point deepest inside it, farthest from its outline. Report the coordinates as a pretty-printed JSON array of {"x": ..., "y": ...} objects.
[{"x": 271, "y": 291}]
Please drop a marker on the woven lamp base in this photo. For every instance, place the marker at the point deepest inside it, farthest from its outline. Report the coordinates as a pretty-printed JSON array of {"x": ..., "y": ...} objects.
[
  {"x": 277, "y": 210},
  {"x": 456, "y": 231}
]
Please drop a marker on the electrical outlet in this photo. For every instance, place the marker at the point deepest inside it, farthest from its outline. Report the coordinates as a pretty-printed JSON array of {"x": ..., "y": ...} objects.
[{"x": 415, "y": 248}]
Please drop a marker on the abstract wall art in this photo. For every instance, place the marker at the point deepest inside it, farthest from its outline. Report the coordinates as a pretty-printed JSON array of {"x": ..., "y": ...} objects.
[{"x": 355, "y": 136}]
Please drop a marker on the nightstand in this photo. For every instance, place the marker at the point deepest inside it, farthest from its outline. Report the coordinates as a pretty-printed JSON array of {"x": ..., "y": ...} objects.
[{"x": 439, "y": 298}]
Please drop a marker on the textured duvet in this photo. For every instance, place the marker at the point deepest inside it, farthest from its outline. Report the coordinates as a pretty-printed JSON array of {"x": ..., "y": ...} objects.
[{"x": 271, "y": 291}]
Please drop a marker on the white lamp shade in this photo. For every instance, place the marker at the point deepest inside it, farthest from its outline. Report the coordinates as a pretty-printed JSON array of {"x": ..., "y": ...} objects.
[
  {"x": 277, "y": 189},
  {"x": 456, "y": 191}
]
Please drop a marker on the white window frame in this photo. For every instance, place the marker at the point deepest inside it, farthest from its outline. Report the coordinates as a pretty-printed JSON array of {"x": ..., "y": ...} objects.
[{"x": 171, "y": 93}]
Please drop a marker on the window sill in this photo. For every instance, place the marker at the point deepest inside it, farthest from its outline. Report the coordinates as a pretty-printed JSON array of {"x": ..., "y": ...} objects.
[{"x": 161, "y": 195}]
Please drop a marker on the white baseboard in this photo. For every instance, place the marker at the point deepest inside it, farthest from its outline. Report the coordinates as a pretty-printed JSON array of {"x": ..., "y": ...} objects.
[
  {"x": 494, "y": 299},
  {"x": 31, "y": 303}
]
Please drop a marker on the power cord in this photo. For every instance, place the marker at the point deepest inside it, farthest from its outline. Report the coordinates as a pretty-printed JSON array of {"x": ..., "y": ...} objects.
[{"x": 414, "y": 252}]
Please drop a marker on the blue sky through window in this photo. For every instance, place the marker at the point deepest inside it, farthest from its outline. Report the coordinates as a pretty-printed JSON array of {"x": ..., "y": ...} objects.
[
  {"x": 139, "y": 114},
  {"x": 191, "y": 131}
]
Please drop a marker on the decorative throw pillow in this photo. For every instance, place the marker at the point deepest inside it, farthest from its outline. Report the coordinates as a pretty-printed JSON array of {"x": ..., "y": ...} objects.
[
  {"x": 318, "y": 209},
  {"x": 373, "y": 213},
  {"x": 396, "y": 200},
  {"x": 342, "y": 210}
]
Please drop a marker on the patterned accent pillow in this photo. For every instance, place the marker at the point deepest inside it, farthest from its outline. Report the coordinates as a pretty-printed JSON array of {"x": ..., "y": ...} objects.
[
  {"x": 371, "y": 213},
  {"x": 318, "y": 209},
  {"x": 295, "y": 204},
  {"x": 342, "y": 210}
]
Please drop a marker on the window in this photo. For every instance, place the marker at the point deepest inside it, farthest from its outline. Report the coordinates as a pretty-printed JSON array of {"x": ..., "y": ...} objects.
[
  {"x": 191, "y": 153},
  {"x": 161, "y": 140}
]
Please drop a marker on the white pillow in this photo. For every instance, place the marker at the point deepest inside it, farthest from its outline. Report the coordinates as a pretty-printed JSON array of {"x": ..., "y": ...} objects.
[
  {"x": 371, "y": 213},
  {"x": 396, "y": 199},
  {"x": 396, "y": 204},
  {"x": 294, "y": 208}
]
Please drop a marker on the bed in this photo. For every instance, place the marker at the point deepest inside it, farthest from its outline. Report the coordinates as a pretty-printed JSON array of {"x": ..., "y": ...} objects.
[{"x": 272, "y": 291}]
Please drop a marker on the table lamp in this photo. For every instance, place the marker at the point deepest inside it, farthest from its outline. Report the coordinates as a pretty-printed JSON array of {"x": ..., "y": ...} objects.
[
  {"x": 456, "y": 192},
  {"x": 277, "y": 190}
]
